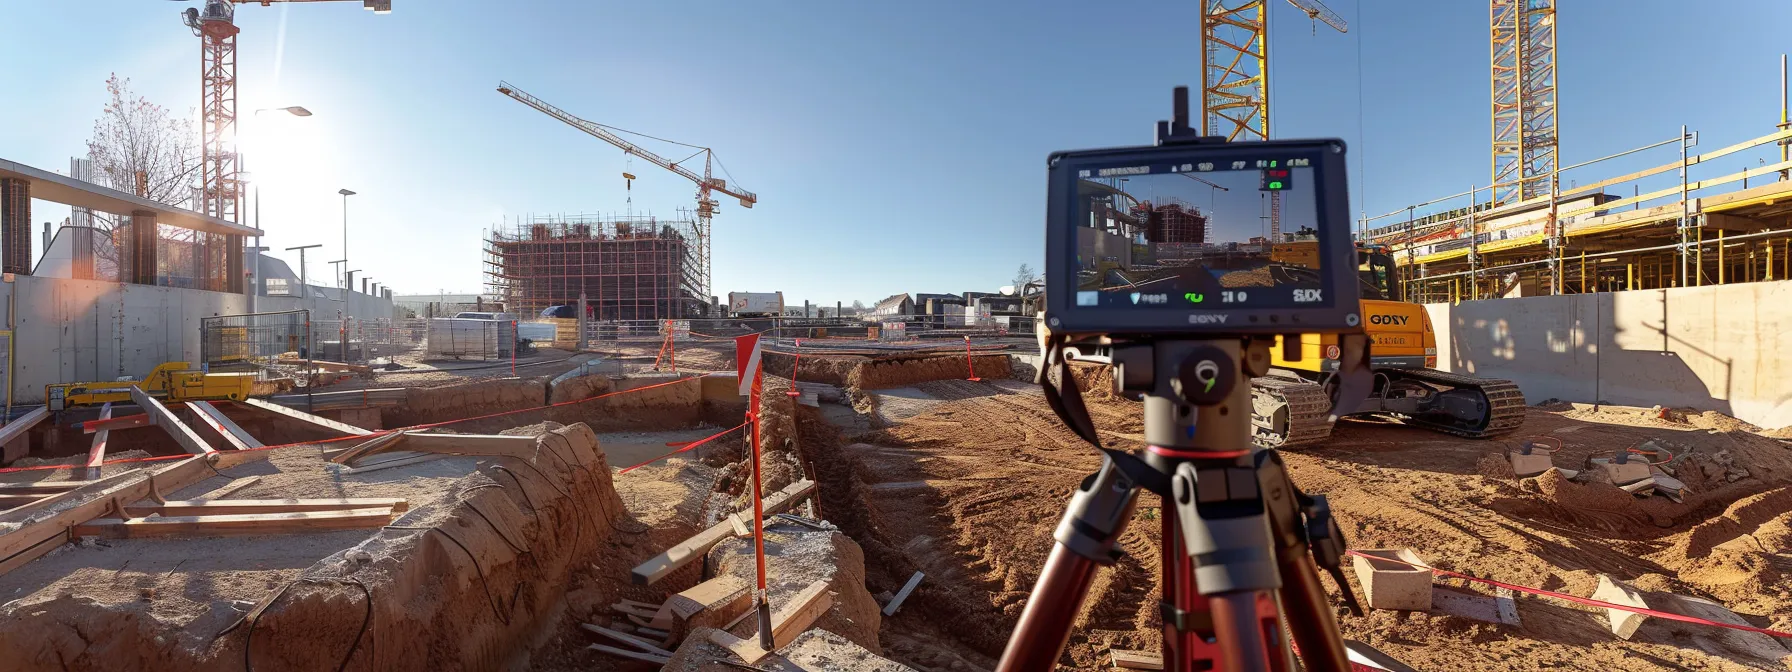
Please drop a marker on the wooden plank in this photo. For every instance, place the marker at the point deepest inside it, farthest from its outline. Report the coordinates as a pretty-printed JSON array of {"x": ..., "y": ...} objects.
[
  {"x": 328, "y": 366},
  {"x": 626, "y": 638},
  {"x": 301, "y": 416},
  {"x": 368, "y": 447},
  {"x": 224, "y": 426},
  {"x": 108, "y": 424},
  {"x": 491, "y": 445},
  {"x": 96, "y": 454},
  {"x": 691, "y": 549},
  {"x": 747, "y": 649},
  {"x": 799, "y": 613},
  {"x": 896, "y": 602},
  {"x": 40, "y": 487},
  {"x": 227, "y": 525},
  {"x": 233, "y": 486},
  {"x": 183, "y": 435},
  {"x": 388, "y": 464},
  {"x": 214, "y": 507},
  {"x": 1135, "y": 660},
  {"x": 17, "y": 428},
  {"x": 633, "y": 655},
  {"x": 52, "y": 517}
]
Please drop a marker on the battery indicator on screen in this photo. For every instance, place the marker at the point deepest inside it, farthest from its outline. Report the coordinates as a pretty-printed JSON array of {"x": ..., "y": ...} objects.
[{"x": 1275, "y": 179}]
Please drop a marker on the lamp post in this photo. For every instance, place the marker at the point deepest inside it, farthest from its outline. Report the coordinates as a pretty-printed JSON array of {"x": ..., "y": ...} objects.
[
  {"x": 345, "y": 194},
  {"x": 303, "y": 293},
  {"x": 255, "y": 271}
]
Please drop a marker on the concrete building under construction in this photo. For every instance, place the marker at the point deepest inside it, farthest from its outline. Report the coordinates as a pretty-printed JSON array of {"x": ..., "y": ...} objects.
[{"x": 628, "y": 268}]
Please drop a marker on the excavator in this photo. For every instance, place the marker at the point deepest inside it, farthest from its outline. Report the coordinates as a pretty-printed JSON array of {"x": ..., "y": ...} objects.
[{"x": 1289, "y": 405}]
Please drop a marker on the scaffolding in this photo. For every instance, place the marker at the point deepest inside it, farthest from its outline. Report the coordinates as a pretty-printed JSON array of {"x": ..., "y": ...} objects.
[
  {"x": 1172, "y": 220},
  {"x": 627, "y": 268}
]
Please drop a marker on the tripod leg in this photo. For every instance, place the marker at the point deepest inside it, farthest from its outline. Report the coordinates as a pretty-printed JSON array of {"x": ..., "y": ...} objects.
[{"x": 1097, "y": 515}]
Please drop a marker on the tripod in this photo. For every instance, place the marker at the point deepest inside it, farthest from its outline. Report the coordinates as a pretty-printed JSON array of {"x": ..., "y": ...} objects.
[{"x": 1241, "y": 544}]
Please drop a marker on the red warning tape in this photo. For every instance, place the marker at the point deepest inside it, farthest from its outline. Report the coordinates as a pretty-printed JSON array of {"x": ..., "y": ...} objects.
[
  {"x": 1580, "y": 600},
  {"x": 688, "y": 447},
  {"x": 365, "y": 437}
]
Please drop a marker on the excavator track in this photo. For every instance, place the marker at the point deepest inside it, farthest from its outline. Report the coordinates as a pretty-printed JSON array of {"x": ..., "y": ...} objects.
[
  {"x": 1505, "y": 403},
  {"x": 1287, "y": 412}
]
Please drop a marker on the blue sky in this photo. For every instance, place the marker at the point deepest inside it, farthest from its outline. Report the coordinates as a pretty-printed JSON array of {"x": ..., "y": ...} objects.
[{"x": 894, "y": 146}]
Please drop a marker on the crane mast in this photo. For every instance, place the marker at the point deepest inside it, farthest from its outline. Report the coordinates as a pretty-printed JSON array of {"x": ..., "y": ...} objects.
[
  {"x": 1235, "y": 73},
  {"x": 706, "y": 183}
]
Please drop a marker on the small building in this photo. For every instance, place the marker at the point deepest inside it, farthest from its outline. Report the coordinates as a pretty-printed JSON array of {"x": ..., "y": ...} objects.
[{"x": 895, "y": 306}]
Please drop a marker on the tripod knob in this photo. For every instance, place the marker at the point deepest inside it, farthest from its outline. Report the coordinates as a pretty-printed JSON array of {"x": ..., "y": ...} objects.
[{"x": 1206, "y": 376}]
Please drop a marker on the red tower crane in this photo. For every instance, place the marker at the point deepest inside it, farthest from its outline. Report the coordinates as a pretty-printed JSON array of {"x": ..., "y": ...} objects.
[{"x": 220, "y": 187}]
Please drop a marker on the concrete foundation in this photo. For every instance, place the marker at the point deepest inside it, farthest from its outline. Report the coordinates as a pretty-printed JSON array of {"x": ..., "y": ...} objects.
[{"x": 1719, "y": 348}]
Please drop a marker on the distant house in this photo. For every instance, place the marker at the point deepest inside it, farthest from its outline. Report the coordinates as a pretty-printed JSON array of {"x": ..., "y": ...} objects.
[{"x": 895, "y": 306}]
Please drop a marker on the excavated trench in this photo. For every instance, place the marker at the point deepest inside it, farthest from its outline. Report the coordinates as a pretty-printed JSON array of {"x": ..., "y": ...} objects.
[{"x": 475, "y": 574}]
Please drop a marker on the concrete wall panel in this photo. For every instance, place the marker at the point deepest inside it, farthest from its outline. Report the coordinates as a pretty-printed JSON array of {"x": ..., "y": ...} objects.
[
  {"x": 90, "y": 330},
  {"x": 1722, "y": 348}
]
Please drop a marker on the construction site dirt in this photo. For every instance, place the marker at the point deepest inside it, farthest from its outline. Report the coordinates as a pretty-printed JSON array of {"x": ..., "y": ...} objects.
[{"x": 968, "y": 484}]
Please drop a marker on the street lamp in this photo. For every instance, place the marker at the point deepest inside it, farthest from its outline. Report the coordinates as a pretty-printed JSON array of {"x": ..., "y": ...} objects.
[
  {"x": 345, "y": 194},
  {"x": 303, "y": 292},
  {"x": 255, "y": 272}
]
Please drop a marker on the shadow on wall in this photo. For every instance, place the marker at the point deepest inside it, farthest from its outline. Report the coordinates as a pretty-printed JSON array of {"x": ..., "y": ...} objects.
[{"x": 1709, "y": 348}]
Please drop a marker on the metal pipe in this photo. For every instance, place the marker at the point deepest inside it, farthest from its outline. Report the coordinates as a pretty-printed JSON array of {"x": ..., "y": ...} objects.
[
  {"x": 1658, "y": 248},
  {"x": 1685, "y": 213},
  {"x": 1623, "y": 153},
  {"x": 1784, "y": 123}
]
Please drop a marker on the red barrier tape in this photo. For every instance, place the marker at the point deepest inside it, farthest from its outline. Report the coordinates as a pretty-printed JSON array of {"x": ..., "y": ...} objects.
[
  {"x": 1580, "y": 600},
  {"x": 692, "y": 446},
  {"x": 376, "y": 434}
]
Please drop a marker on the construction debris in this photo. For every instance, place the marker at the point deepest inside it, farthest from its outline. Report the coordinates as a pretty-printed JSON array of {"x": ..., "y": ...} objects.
[
  {"x": 896, "y": 602},
  {"x": 1623, "y": 623},
  {"x": 1393, "y": 579}
]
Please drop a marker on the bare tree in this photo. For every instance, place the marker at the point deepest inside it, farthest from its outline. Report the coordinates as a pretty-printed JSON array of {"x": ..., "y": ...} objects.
[
  {"x": 1023, "y": 277},
  {"x": 137, "y": 148},
  {"x": 858, "y": 307}
]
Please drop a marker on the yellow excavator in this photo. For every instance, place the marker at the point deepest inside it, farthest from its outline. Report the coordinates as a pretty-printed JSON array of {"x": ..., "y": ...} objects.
[
  {"x": 1290, "y": 404},
  {"x": 169, "y": 382}
]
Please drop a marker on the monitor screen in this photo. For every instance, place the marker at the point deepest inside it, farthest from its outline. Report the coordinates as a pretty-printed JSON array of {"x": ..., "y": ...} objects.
[{"x": 1222, "y": 234}]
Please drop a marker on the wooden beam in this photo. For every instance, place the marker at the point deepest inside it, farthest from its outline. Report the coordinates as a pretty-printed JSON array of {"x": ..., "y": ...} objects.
[
  {"x": 233, "y": 486},
  {"x": 691, "y": 549},
  {"x": 896, "y": 602},
  {"x": 490, "y": 445},
  {"x": 799, "y": 613},
  {"x": 301, "y": 416},
  {"x": 224, "y": 426},
  {"x": 96, "y": 454},
  {"x": 632, "y": 655},
  {"x": 40, "y": 487},
  {"x": 162, "y": 417},
  {"x": 45, "y": 524},
  {"x": 388, "y": 464},
  {"x": 126, "y": 422},
  {"x": 327, "y": 366},
  {"x": 216, "y": 507},
  {"x": 368, "y": 447},
  {"x": 17, "y": 428},
  {"x": 1136, "y": 660},
  {"x": 229, "y": 525},
  {"x": 625, "y": 638}
]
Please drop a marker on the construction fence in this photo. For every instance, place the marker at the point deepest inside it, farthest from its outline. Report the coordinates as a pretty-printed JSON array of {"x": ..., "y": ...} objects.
[{"x": 254, "y": 340}]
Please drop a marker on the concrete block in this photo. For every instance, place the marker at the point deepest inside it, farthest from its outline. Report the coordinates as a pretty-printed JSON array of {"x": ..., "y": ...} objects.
[
  {"x": 1627, "y": 472},
  {"x": 1623, "y": 623},
  {"x": 15, "y": 449},
  {"x": 1526, "y": 466},
  {"x": 1393, "y": 585}
]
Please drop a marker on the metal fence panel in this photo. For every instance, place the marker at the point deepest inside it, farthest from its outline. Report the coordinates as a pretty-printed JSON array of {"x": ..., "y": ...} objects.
[{"x": 253, "y": 339}]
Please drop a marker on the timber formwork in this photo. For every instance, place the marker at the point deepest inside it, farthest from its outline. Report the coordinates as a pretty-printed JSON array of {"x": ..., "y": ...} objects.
[{"x": 627, "y": 268}]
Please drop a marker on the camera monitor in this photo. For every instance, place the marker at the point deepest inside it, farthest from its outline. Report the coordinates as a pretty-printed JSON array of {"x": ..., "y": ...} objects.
[{"x": 1220, "y": 238}]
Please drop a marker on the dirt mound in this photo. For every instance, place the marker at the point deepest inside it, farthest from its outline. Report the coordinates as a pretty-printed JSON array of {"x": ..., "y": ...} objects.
[
  {"x": 880, "y": 374},
  {"x": 830, "y": 369}
]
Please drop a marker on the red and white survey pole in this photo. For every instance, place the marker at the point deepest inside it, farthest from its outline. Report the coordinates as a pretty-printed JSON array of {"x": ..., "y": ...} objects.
[
  {"x": 747, "y": 368},
  {"x": 795, "y": 391}
]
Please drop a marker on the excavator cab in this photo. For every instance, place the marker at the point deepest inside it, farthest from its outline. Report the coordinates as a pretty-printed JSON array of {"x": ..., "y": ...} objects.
[{"x": 1375, "y": 268}]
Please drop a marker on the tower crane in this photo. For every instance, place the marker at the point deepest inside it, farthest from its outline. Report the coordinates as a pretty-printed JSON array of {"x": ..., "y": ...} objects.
[
  {"x": 220, "y": 187},
  {"x": 706, "y": 206},
  {"x": 1235, "y": 72},
  {"x": 1523, "y": 44}
]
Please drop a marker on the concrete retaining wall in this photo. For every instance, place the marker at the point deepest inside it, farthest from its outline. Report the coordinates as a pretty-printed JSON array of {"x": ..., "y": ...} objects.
[
  {"x": 1724, "y": 349},
  {"x": 86, "y": 330}
]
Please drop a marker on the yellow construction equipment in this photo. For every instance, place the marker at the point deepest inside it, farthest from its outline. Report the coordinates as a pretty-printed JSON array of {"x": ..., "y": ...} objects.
[
  {"x": 1289, "y": 405},
  {"x": 169, "y": 382}
]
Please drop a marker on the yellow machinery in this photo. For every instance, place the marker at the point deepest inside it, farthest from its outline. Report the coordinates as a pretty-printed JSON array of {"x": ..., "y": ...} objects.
[
  {"x": 170, "y": 382},
  {"x": 1290, "y": 404}
]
